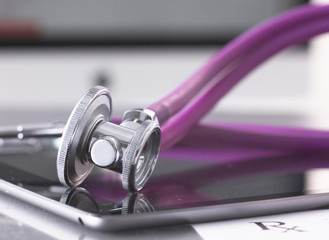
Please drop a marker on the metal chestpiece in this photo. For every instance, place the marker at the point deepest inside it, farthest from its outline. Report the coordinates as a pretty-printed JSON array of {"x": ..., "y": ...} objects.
[{"x": 89, "y": 139}]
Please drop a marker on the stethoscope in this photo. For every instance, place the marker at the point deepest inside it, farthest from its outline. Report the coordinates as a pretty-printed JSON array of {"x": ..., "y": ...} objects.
[{"x": 132, "y": 147}]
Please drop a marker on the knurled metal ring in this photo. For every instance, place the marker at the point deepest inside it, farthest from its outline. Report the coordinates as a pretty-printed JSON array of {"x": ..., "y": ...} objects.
[
  {"x": 73, "y": 160},
  {"x": 145, "y": 144}
]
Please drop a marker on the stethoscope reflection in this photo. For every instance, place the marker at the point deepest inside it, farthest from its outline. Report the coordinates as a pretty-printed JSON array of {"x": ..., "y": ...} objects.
[
  {"x": 186, "y": 188},
  {"x": 193, "y": 191},
  {"x": 132, "y": 203}
]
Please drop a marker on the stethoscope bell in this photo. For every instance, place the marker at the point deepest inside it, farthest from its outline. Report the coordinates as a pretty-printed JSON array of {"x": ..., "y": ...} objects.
[{"x": 89, "y": 139}]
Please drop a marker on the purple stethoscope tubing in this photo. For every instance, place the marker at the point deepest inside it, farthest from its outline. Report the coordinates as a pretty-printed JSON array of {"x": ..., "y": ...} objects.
[
  {"x": 169, "y": 105},
  {"x": 176, "y": 127},
  {"x": 181, "y": 123},
  {"x": 216, "y": 135}
]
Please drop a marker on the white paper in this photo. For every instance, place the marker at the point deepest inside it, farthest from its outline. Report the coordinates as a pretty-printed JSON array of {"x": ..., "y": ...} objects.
[{"x": 301, "y": 225}]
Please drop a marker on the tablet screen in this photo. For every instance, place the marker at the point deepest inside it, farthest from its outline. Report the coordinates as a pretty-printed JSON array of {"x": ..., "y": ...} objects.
[{"x": 182, "y": 179}]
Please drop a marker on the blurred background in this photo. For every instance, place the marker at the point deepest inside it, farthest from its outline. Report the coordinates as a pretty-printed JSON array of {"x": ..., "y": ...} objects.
[{"x": 51, "y": 52}]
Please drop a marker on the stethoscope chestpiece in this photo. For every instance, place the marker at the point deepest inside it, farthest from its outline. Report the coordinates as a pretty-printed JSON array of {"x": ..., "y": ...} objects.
[{"x": 89, "y": 139}]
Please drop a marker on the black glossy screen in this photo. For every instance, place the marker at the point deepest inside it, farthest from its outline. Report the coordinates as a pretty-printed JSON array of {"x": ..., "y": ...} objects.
[{"x": 179, "y": 181}]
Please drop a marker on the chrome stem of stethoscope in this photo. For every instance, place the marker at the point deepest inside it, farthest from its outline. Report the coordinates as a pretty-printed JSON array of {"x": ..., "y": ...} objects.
[
  {"x": 89, "y": 139},
  {"x": 30, "y": 138},
  {"x": 32, "y": 131},
  {"x": 130, "y": 148}
]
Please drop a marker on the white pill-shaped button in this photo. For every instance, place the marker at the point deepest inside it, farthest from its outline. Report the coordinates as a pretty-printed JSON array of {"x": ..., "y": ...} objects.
[{"x": 103, "y": 153}]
